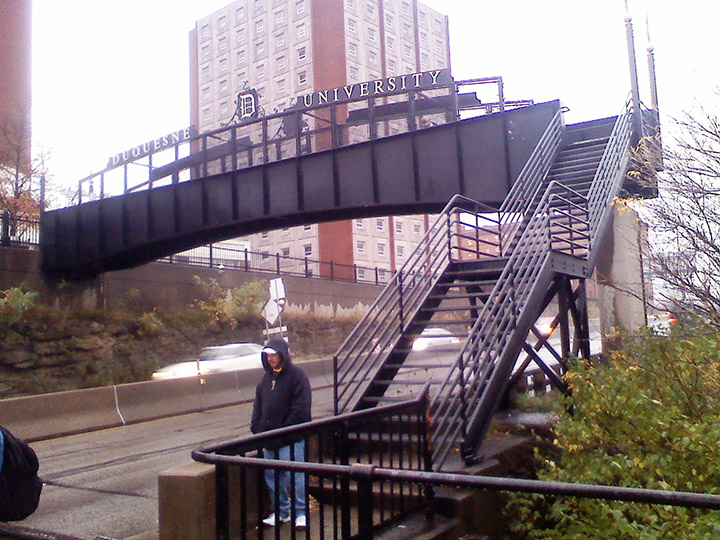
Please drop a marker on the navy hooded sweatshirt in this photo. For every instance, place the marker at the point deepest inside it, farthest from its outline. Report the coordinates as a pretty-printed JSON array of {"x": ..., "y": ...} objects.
[{"x": 281, "y": 398}]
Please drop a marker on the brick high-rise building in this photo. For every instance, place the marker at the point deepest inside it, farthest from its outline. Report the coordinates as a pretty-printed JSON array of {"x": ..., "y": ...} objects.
[
  {"x": 15, "y": 60},
  {"x": 287, "y": 48}
]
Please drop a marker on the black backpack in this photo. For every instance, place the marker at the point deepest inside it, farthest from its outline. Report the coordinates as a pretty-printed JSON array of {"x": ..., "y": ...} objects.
[{"x": 20, "y": 485}]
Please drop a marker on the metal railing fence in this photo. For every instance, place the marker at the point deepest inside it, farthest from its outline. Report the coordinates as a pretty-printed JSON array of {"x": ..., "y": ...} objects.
[
  {"x": 374, "y": 337},
  {"x": 19, "y": 231},
  {"x": 340, "y": 454}
]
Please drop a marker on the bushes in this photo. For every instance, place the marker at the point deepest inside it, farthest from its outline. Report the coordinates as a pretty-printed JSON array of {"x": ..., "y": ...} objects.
[
  {"x": 14, "y": 303},
  {"x": 648, "y": 418}
]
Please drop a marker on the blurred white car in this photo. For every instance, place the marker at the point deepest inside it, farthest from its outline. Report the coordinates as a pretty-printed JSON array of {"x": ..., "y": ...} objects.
[
  {"x": 219, "y": 359},
  {"x": 432, "y": 338}
]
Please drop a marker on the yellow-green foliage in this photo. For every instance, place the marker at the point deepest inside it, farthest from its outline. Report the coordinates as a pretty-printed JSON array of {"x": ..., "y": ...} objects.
[
  {"x": 232, "y": 306},
  {"x": 14, "y": 303},
  {"x": 648, "y": 418}
]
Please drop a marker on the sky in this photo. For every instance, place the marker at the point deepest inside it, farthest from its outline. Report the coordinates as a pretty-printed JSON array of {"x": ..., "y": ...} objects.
[{"x": 111, "y": 74}]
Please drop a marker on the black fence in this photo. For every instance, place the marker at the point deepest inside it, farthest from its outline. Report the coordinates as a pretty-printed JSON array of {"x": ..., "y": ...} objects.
[
  {"x": 16, "y": 231},
  {"x": 342, "y": 497},
  {"x": 228, "y": 258}
]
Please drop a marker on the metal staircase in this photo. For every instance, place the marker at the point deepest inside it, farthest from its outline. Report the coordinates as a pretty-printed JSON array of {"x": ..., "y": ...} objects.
[{"x": 486, "y": 276}]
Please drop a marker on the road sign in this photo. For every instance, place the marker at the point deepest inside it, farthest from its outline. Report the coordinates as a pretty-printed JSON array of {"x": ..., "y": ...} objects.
[{"x": 271, "y": 311}]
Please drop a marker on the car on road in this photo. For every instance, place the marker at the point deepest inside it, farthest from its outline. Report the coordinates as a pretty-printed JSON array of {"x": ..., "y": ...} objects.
[
  {"x": 218, "y": 359},
  {"x": 435, "y": 338}
]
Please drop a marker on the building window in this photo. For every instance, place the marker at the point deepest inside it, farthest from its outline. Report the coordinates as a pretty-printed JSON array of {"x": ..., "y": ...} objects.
[
  {"x": 223, "y": 87},
  {"x": 222, "y": 22},
  {"x": 400, "y": 252},
  {"x": 286, "y": 252},
  {"x": 302, "y": 53},
  {"x": 371, "y": 11},
  {"x": 206, "y": 51},
  {"x": 406, "y": 30},
  {"x": 388, "y": 19},
  {"x": 301, "y": 30},
  {"x": 206, "y": 73},
  {"x": 381, "y": 249},
  {"x": 380, "y": 224},
  {"x": 422, "y": 17},
  {"x": 224, "y": 109},
  {"x": 308, "y": 227},
  {"x": 264, "y": 234},
  {"x": 240, "y": 14},
  {"x": 302, "y": 77},
  {"x": 265, "y": 257},
  {"x": 360, "y": 273},
  {"x": 390, "y": 43},
  {"x": 352, "y": 49},
  {"x": 261, "y": 71},
  {"x": 307, "y": 248},
  {"x": 280, "y": 39},
  {"x": 372, "y": 55},
  {"x": 222, "y": 44},
  {"x": 279, "y": 17},
  {"x": 223, "y": 65},
  {"x": 300, "y": 7},
  {"x": 281, "y": 86},
  {"x": 438, "y": 47},
  {"x": 241, "y": 56},
  {"x": 399, "y": 227},
  {"x": 259, "y": 26},
  {"x": 359, "y": 223},
  {"x": 423, "y": 38},
  {"x": 206, "y": 115},
  {"x": 206, "y": 93},
  {"x": 286, "y": 231},
  {"x": 205, "y": 32},
  {"x": 382, "y": 275},
  {"x": 351, "y": 25},
  {"x": 261, "y": 94},
  {"x": 351, "y": 3},
  {"x": 259, "y": 48},
  {"x": 423, "y": 60},
  {"x": 354, "y": 74},
  {"x": 391, "y": 66},
  {"x": 240, "y": 35},
  {"x": 258, "y": 5},
  {"x": 417, "y": 229},
  {"x": 437, "y": 26},
  {"x": 408, "y": 51},
  {"x": 281, "y": 62},
  {"x": 371, "y": 34},
  {"x": 406, "y": 8},
  {"x": 361, "y": 246}
]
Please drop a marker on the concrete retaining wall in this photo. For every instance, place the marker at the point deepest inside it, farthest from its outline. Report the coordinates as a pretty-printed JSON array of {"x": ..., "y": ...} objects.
[{"x": 54, "y": 415}]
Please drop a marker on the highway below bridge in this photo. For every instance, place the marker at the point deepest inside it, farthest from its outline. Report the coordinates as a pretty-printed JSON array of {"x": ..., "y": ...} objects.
[{"x": 104, "y": 483}]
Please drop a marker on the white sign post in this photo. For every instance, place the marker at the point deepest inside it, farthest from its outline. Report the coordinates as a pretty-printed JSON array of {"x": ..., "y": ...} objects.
[{"x": 272, "y": 310}]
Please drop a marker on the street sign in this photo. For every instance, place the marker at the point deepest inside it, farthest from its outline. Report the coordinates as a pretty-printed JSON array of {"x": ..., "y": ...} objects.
[{"x": 271, "y": 311}]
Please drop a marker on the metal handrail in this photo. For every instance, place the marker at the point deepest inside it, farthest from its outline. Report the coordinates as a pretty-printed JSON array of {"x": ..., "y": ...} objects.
[
  {"x": 470, "y": 389},
  {"x": 374, "y": 337}
]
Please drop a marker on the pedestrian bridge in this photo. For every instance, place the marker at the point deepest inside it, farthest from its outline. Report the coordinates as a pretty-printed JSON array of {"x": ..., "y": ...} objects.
[{"x": 328, "y": 162}]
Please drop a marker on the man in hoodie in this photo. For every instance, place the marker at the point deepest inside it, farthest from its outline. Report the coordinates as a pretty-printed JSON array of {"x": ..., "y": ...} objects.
[{"x": 282, "y": 398}]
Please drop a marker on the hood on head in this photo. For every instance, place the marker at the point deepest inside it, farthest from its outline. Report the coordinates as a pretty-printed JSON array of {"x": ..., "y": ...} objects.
[{"x": 281, "y": 346}]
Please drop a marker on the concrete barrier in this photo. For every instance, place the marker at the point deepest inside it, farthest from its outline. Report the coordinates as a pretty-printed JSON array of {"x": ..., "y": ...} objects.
[{"x": 46, "y": 416}]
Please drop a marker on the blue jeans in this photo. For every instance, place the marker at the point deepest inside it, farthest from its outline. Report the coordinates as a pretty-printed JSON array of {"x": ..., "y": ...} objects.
[{"x": 283, "y": 481}]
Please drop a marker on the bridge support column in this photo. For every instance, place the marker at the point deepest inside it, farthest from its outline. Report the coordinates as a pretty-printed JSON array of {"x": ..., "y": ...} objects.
[
  {"x": 186, "y": 498},
  {"x": 623, "y": 287}
]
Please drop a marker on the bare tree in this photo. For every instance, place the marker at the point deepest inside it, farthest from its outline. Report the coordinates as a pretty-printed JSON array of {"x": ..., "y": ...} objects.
[{"x": 685, "y": 219}]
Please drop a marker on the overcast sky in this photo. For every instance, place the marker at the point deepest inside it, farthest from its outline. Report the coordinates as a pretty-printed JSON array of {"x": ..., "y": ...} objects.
[{"x": 111, "y": 74}]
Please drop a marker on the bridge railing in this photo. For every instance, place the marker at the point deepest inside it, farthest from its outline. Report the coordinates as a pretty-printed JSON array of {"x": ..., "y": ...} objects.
[
  {"x": 390, "y": 316},
  {"x": 292, "y": 133},
  {"x": 16, "y": 231}
]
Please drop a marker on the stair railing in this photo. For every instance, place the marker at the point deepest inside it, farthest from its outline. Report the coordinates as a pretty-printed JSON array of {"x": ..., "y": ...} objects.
[
  {"x": 527, "y": 188},
  {"x": 466, "y": 400},
  {"x": 369, "y": 344}
]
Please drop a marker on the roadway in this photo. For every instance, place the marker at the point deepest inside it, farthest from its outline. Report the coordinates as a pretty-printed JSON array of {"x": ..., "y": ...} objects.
[{"x": 104, "y": 483}]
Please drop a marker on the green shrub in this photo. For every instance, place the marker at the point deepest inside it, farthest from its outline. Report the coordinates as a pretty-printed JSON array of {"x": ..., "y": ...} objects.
[
  {"x": 232, "y": 306},
  {"x": 15, "y": 303},
  {"x": 648, "y": 418}
]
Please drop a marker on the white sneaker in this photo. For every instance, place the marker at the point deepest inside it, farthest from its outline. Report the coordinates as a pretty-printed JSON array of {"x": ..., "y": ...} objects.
[
  {"x": 301, "y": 522},
  {"x": 270, "y": 520}
]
